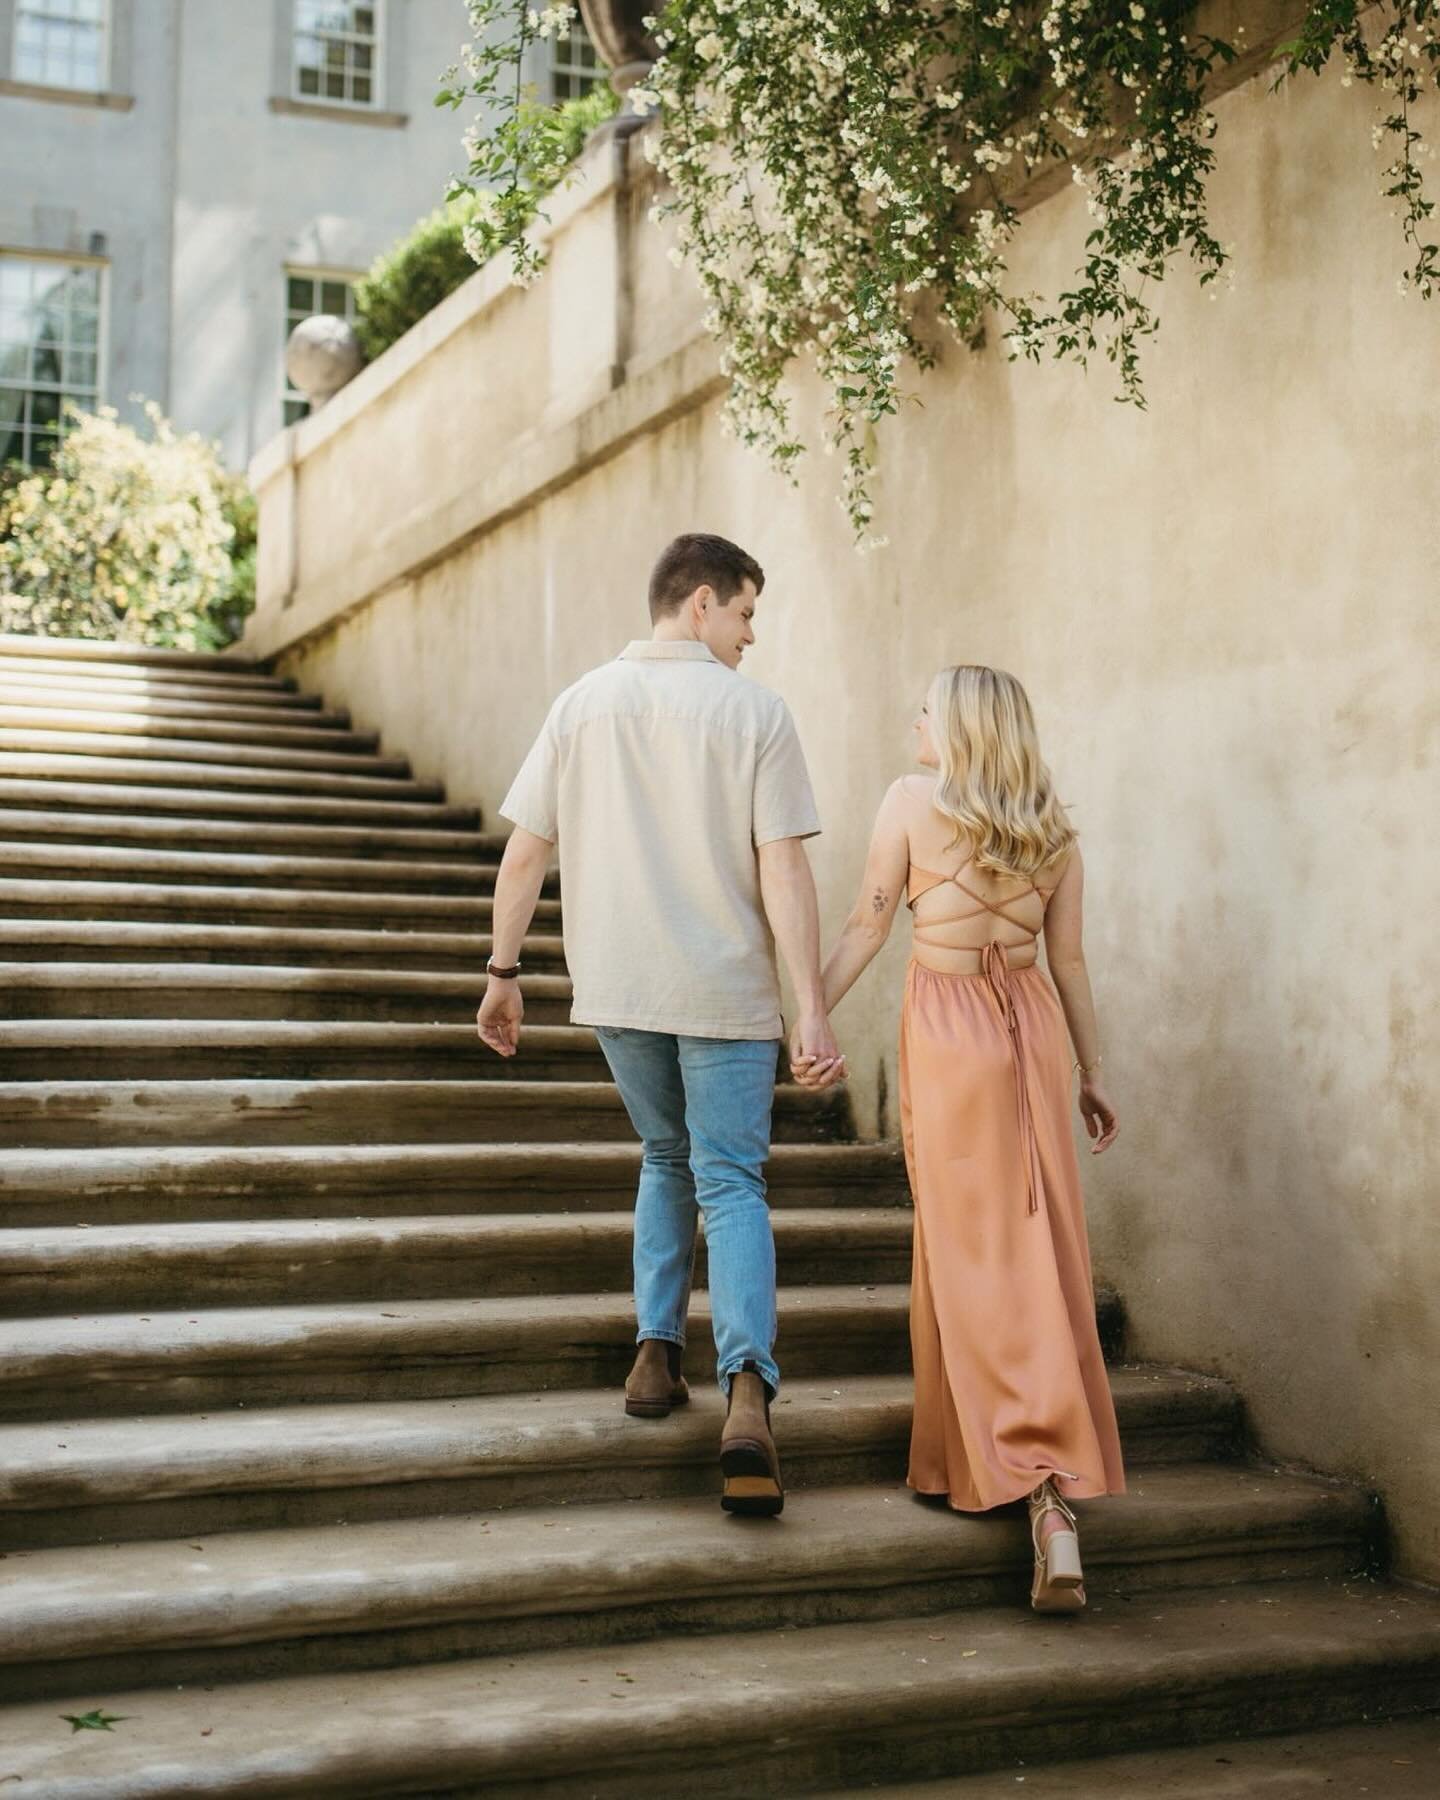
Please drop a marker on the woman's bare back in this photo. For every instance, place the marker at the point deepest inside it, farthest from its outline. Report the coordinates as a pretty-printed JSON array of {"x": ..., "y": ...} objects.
[{"x": 959, "y": 909}]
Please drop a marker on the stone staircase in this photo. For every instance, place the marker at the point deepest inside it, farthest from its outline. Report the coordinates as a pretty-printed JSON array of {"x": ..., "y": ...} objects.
[{"x": 313, "y": 1468}]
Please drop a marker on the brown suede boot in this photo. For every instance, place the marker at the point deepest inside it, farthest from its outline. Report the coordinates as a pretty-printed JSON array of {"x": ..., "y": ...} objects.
[
  {"x": 655, "y": 1386},
  {"x": 749, "y": 1464}
]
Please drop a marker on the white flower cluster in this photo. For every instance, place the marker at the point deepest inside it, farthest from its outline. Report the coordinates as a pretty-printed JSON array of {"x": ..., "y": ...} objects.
[{"x": 829, "y": 162}]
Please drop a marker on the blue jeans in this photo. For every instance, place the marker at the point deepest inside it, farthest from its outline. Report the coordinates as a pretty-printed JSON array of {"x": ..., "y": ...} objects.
[{"x": 701, "y": 1107}]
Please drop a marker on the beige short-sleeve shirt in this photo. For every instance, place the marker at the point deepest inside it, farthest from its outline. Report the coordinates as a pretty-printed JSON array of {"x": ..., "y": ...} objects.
[{"x": 658, "y": 775}]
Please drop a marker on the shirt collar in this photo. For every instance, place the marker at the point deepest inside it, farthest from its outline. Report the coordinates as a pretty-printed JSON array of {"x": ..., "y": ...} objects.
[{"x": 668, "y": 650}]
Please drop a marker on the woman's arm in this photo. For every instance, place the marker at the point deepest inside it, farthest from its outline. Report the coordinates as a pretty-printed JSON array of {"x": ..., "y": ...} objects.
[
  {"x": 886, "y": 869},
  {"x": 1065, "y": 954}
]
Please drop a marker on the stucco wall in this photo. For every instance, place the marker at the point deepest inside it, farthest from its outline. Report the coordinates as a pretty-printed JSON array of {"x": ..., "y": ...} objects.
[{"x": 1224, "y": 609}]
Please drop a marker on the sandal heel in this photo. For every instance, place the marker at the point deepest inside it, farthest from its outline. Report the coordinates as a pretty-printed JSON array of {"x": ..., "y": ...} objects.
[{"x": 1062, "y": 1560}]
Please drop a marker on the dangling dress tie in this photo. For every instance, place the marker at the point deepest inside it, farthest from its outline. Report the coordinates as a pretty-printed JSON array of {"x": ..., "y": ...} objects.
[{"x": 995, "y": 965}]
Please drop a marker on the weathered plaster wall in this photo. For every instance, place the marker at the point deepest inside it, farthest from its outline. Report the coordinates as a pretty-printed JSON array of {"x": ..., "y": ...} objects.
[{"x": 1225, "y": 611}]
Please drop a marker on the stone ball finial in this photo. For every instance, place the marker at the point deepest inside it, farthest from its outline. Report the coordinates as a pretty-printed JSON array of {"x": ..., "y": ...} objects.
[
  {"x": 626, "y": 48},
  {"x": 322, "y": 355}
]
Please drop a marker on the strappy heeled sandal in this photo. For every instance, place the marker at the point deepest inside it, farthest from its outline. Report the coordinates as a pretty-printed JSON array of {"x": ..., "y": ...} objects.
[{"x": 1058, "y": 1586}]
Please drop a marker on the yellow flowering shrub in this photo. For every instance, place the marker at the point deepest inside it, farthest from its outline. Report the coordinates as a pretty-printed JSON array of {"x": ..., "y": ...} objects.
[{"x": 125, "y": 537}]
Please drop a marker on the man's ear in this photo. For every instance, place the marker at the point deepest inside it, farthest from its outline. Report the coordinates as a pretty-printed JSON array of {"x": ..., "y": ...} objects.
[{"x": 702, "y": 597}]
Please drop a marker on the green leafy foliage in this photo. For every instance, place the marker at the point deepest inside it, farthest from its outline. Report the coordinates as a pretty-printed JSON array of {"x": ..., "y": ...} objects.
[
  {"x": 414, "y": 275},
  {"x": 843, "y": 177},
  {"x": 126, "y": 537},
  {"x": 98, "y": 1720}
]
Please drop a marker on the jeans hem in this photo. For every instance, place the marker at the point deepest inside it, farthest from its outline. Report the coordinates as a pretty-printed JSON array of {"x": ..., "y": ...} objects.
[
  {"x": 769, "y": 1373},
  {"x": 661, "y": 1337}
]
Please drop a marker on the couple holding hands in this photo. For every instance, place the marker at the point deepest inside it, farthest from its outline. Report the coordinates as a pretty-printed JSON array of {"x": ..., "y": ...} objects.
[{"x": 678, "y": 794}]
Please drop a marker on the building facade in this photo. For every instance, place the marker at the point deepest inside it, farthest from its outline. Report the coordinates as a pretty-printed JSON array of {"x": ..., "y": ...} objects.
[{"x": 182, "y": 180}]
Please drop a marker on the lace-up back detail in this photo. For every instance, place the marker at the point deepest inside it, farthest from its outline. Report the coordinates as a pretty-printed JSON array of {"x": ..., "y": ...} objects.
[{"x": 925, "y": 881}]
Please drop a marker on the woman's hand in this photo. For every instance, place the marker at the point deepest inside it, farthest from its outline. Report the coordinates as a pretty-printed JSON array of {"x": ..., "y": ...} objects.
[{"x": 1098, "y": 1114}]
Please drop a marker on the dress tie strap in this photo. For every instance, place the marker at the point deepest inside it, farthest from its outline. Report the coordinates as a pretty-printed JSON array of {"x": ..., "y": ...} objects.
[{"x": 995, "y": 964}]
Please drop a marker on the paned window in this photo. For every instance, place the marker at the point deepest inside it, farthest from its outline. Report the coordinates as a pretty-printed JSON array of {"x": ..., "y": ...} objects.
[
  {"x": 310, "y": 291},
  {"x": 49, "y": 350},
  {"x": 575, "y": 67},
  {"x": 337, "y": 52},
  {"x": 61, "y": 43}
]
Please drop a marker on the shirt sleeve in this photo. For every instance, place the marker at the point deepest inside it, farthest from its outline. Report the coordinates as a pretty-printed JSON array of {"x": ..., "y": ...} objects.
[
  {"x": 784, "y": 802},
  {"x": 533, "y": 802}
]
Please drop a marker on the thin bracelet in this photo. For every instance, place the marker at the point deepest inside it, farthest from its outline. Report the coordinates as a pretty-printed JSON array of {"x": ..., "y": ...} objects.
[{"x": 1082, "y": 1071}]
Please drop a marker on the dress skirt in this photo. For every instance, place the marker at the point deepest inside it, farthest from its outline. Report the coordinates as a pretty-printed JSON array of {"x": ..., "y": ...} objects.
[{"x": 1010, "y": 1383}]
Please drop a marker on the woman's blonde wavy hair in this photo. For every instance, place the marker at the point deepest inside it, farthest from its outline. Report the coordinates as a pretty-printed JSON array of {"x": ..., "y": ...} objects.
[{"x": 993, "y": 783}]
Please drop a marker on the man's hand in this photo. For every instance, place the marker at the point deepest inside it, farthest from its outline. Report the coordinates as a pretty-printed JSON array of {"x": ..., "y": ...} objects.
[
  {"x": 815, "y": 1059},
  {"x": 498, "y": 1020}
]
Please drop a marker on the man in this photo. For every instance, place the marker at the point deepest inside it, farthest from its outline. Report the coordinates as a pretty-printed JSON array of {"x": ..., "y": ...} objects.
[{"x": 679, "y": 797}]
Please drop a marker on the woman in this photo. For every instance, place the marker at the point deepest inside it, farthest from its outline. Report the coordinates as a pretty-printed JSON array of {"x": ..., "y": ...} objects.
[{"x": 1011, "y": 1394}]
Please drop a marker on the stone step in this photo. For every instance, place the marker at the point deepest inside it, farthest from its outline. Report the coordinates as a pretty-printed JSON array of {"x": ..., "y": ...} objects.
[
  {"x": 108, "y": 1363},
  {"x": 116, "y": 746},
  {"x": 395, "y": 1593},
  {"x": 47, "y": 1051},
  {"x": 235, "y": 991},
  {"x": 1394, "y": 1759},
  {"x": 286, "y": 908},
  {"x": 519, "y": 1109},
  {"x": 94, "y": 653},
  {"x": 71, "y": 1480},
  {"x": 21, "y": 795},
  {"x": 47, "y": 721},
  {"x": 156, "y": 684},
  {"x": 214, "y": 868},
  {"x": 263, "y": 1262},
  {"x": 19, "y": 697},
  {"x": 104, "y": 941},
  {"x": 766, "y": 1712},
  {"x": 209, "y": 780},
  {"x": 193, "y": 836},
  {"x": 179, "y": 1185}
]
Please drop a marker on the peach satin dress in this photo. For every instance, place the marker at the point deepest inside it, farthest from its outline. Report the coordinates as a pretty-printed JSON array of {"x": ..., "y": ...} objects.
[{"x": 1010, "y": 1384}]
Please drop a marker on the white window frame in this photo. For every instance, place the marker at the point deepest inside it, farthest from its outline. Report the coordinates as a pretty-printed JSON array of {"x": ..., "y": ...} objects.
[
  {"x": 293, "y": 272},
  {"x": 590, "y": 78},
  {"x": 105, "y": 24},
  {"x": 378, "y": 53},
  {"x": 94, "y": 397}
]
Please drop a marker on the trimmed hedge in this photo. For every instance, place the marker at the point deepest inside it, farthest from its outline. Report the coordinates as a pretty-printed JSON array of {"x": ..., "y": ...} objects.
[{"x": 415, "y": 274}]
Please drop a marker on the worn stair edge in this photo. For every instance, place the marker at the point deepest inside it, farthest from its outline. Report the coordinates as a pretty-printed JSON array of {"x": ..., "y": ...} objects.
[
  {"x": 765, "y": 1711},
  {"x": 108, "y": 653},
  {"x": 219, "y": 1049},
  {"x": 279, "y": 995},
  {"x": 257, "y": 834},
  {"x": 1398, "y": 1759},
  {"x": 210, "y": 868},
  {"x": 102, "y": 942},
  {"x": 378, "y": 1595},
  {"x": 116, "y": 746},
  {"x": 96, "y": 722},
  {"x": 155, "y": 684},
  {"x": 318, "y": 907},
  {"x": 75, "y": 1480},
  {"x": 20, "y": 697},
  {"x": 180, "y": 803},
  {"x": 104, "y": 1363},
  {"x": 257, "y": 1111},
  {"x": 178, "y": 1184},
  {"x": 218, "y": 779},
  {"x": 423, "y": 1256}
]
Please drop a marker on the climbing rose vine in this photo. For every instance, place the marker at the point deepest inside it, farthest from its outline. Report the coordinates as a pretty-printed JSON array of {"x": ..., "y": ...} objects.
[{"x": 842, "y": 175}]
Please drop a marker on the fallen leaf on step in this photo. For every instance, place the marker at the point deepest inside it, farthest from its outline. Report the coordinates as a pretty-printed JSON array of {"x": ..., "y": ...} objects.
[
  {"x": 969, "y": 1652},
  {"x": 936, "y": 1637},
  {"x": 98, "y": 1720},
  {"x": 206, "y": 1732}
]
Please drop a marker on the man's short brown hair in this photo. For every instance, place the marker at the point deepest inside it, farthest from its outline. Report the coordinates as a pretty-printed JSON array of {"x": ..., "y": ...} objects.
[{"x": 699, "y": 559}]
